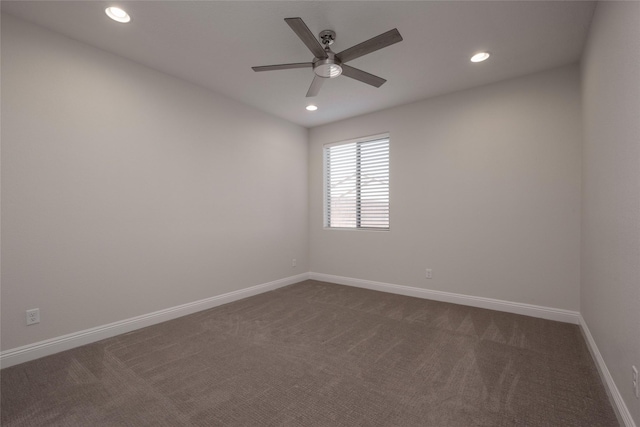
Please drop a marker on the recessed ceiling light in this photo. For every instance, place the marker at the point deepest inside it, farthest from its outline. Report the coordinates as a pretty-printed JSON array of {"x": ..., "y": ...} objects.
[
  {"x": 311, "y": 107},
  {"x": 117, "y": 14},
  {"x": 479, "y": 57}
]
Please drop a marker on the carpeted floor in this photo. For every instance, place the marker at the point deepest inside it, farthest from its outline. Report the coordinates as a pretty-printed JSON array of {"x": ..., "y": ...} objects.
[{"x": 319, "y": 354}]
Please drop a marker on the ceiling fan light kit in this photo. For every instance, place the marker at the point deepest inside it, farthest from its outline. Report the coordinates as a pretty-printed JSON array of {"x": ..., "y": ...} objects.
[
  {"x": 328, "y": 68},
  {"x": 327, "y": 64}
]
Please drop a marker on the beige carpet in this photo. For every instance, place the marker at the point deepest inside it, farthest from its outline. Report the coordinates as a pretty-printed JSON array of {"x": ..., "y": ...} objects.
[{"x": 319, "y": 354}]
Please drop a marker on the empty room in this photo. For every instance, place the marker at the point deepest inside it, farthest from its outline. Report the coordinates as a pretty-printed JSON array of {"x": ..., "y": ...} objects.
[{"x": 320, "y": 213}]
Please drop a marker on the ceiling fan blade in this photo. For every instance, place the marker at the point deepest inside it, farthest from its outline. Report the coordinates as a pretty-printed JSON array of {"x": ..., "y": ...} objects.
[
  {"x": 283, "y": 66},
  {"x": 371, "y": 45},
  {"x": 307, "y": 37},
  {"x": 316, "y": 84},
  {"x": 362, "y": 76}
]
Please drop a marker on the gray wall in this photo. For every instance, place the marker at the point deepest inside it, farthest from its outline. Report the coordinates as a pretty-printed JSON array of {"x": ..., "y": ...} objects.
[
  {"x": 126, "y": 191},
  {"x": 485, "y": 190},
  {"x": 610, "y": 289}
]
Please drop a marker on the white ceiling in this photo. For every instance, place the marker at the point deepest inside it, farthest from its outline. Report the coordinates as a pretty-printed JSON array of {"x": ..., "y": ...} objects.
[{"x": 215, "y": 43}]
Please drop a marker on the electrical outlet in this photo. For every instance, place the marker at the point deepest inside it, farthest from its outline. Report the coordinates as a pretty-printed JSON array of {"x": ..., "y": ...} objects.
[
  {"x": 294, "y": 262},
  {"x": 429, "y": 274},
  {"x": 33, "y": 316},
  {"x": 636, "y": 382}
]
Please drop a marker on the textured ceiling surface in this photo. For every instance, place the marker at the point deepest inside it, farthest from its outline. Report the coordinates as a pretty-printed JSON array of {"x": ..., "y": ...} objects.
[{"x": 215, "y": 43}]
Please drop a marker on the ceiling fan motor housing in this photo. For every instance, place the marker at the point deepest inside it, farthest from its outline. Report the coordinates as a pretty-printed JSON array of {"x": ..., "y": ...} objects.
[{"x": 329, "y": 67}]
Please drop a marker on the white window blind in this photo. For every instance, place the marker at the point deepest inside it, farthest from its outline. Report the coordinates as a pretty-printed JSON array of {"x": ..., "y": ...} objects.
[{"x": 357, "y": 184}]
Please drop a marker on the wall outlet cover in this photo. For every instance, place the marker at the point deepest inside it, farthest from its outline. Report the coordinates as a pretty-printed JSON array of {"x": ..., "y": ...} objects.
[{"x": 33, "y": 316}]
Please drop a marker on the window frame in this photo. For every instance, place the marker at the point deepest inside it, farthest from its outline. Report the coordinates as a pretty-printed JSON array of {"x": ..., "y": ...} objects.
[{"x": 325, "y": 189}]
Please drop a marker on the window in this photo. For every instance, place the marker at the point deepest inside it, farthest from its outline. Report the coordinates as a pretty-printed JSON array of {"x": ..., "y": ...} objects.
[{"x": 356, "y": 184}]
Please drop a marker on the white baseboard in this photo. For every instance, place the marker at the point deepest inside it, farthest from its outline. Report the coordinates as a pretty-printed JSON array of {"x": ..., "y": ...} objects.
[
  {"x": 557, "y": 314},
  {"x": 55, "y": 345},
  {"x": 624, "y": 416}
]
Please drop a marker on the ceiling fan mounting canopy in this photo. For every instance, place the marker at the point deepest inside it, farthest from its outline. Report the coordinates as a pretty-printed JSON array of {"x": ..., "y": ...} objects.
[
  {"x": 327, "y": 64},
  {"x": 327, "y": 37}
]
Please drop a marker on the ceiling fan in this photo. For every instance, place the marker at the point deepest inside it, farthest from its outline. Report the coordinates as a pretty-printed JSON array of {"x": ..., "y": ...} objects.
[{"x": 327, "y": 64}]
